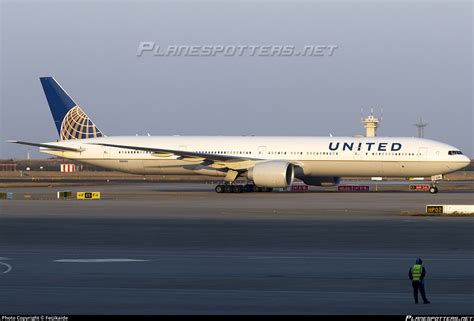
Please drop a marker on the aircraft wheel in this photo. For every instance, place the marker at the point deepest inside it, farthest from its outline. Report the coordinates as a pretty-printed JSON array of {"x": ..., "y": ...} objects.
[
  {"x": 219, "y": 189},
  {"x": 227, "y": 188},
  {"x": 248, "y": 188},
  {"x": 237, "y": 189},
  {"x": 433, "y": 190}
]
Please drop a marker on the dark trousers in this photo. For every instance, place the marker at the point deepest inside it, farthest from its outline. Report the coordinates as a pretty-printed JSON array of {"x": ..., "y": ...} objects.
[{"x": 418, "y": 285}]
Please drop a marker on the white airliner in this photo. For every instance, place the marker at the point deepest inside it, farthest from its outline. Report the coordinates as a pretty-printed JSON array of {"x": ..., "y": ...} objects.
[{"x": 266, "y": 162}]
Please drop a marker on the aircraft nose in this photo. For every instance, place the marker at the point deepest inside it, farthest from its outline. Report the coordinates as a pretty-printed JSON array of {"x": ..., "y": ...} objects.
[{"x": 465, "y": 160}]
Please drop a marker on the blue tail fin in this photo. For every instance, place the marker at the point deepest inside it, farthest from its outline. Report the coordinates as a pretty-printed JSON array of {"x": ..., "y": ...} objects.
[{"x": 70, "y": 120}]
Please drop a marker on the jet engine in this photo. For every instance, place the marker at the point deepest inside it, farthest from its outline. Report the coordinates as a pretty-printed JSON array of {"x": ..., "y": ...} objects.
[{"x": 272, "y": 174}]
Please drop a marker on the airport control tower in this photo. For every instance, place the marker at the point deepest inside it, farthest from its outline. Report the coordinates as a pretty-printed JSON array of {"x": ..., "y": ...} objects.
[{"x": 371, "y": 123}]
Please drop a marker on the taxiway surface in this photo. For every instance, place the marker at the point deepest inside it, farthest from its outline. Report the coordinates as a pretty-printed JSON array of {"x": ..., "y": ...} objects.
[{"x": 182, "y": 249}]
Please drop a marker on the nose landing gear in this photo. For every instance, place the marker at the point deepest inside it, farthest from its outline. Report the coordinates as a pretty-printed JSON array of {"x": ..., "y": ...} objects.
[
  {"x": 433, "y": 189},
  {"x": 434, "y": 181}
]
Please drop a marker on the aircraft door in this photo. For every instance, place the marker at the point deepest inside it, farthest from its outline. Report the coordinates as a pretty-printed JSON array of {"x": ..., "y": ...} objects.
[{"x": 262, "y": 151}]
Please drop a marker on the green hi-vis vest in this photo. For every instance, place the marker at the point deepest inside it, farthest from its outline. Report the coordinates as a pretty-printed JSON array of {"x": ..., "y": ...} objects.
[{"x": 416, "y": 272}]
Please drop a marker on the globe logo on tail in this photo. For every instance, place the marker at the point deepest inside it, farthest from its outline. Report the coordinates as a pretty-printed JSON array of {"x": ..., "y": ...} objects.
[{"x": 77, "y": 125}]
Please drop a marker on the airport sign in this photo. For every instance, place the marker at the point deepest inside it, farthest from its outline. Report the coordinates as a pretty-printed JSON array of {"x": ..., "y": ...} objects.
[
  {"x": 88, "y": 195},
  {"x": 353, "y": 188},
  {"x": 434, "y": 209},
  {"x": 6, "y": 195},
  {"x": 449, "y": 209},
  {"x": 419, "y": 187},
  {"x": 64, "y": 194},
  {"x": 299, "y": 188}
]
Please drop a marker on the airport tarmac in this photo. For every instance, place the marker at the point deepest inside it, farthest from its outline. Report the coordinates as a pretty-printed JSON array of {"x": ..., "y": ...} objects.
[{"x": 183, "y": 249}]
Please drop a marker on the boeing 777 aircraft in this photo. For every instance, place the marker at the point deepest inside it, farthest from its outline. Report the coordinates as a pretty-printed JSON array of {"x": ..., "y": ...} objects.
[{"x": 266, "y": 162}]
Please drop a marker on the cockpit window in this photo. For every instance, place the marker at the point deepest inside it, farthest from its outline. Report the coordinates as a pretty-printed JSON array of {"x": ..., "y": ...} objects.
[{"x": 455, "y": 152}]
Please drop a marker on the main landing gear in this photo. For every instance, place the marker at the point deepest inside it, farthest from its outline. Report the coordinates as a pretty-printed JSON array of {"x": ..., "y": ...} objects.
[{"x": 248, "y": 188}]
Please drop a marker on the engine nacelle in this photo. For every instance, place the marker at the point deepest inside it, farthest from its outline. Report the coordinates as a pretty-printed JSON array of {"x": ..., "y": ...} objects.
[
  {"x": 320, "y": 181},
  {"x": 272, "y": 174}
]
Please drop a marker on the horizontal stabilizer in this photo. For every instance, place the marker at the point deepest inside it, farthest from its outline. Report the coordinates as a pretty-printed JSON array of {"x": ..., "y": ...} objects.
[{"x": 49, "y": 146}]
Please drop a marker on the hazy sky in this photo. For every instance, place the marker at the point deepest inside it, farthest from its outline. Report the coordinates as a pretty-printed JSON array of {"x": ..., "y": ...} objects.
[{"x": 413, "y": 58}]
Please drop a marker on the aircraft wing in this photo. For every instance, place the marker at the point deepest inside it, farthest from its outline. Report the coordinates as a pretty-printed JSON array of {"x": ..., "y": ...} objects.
[
  {"x": 49, "y": 146},
  {"x": 234, "y": 162}
]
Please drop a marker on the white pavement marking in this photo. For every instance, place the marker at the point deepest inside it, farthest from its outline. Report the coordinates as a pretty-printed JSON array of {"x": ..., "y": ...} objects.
[
  {"x": 9, "y": 268},
  {"x": 98, "y": 260},
  {"x": 276, "y": 257}
]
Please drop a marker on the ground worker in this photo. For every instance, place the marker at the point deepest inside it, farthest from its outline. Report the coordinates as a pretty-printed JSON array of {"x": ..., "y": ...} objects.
[{"x": 417, "y": 274}]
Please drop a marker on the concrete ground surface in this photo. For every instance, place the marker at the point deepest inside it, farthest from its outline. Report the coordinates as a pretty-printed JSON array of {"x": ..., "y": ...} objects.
[{"x": 183, "y": 249}]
